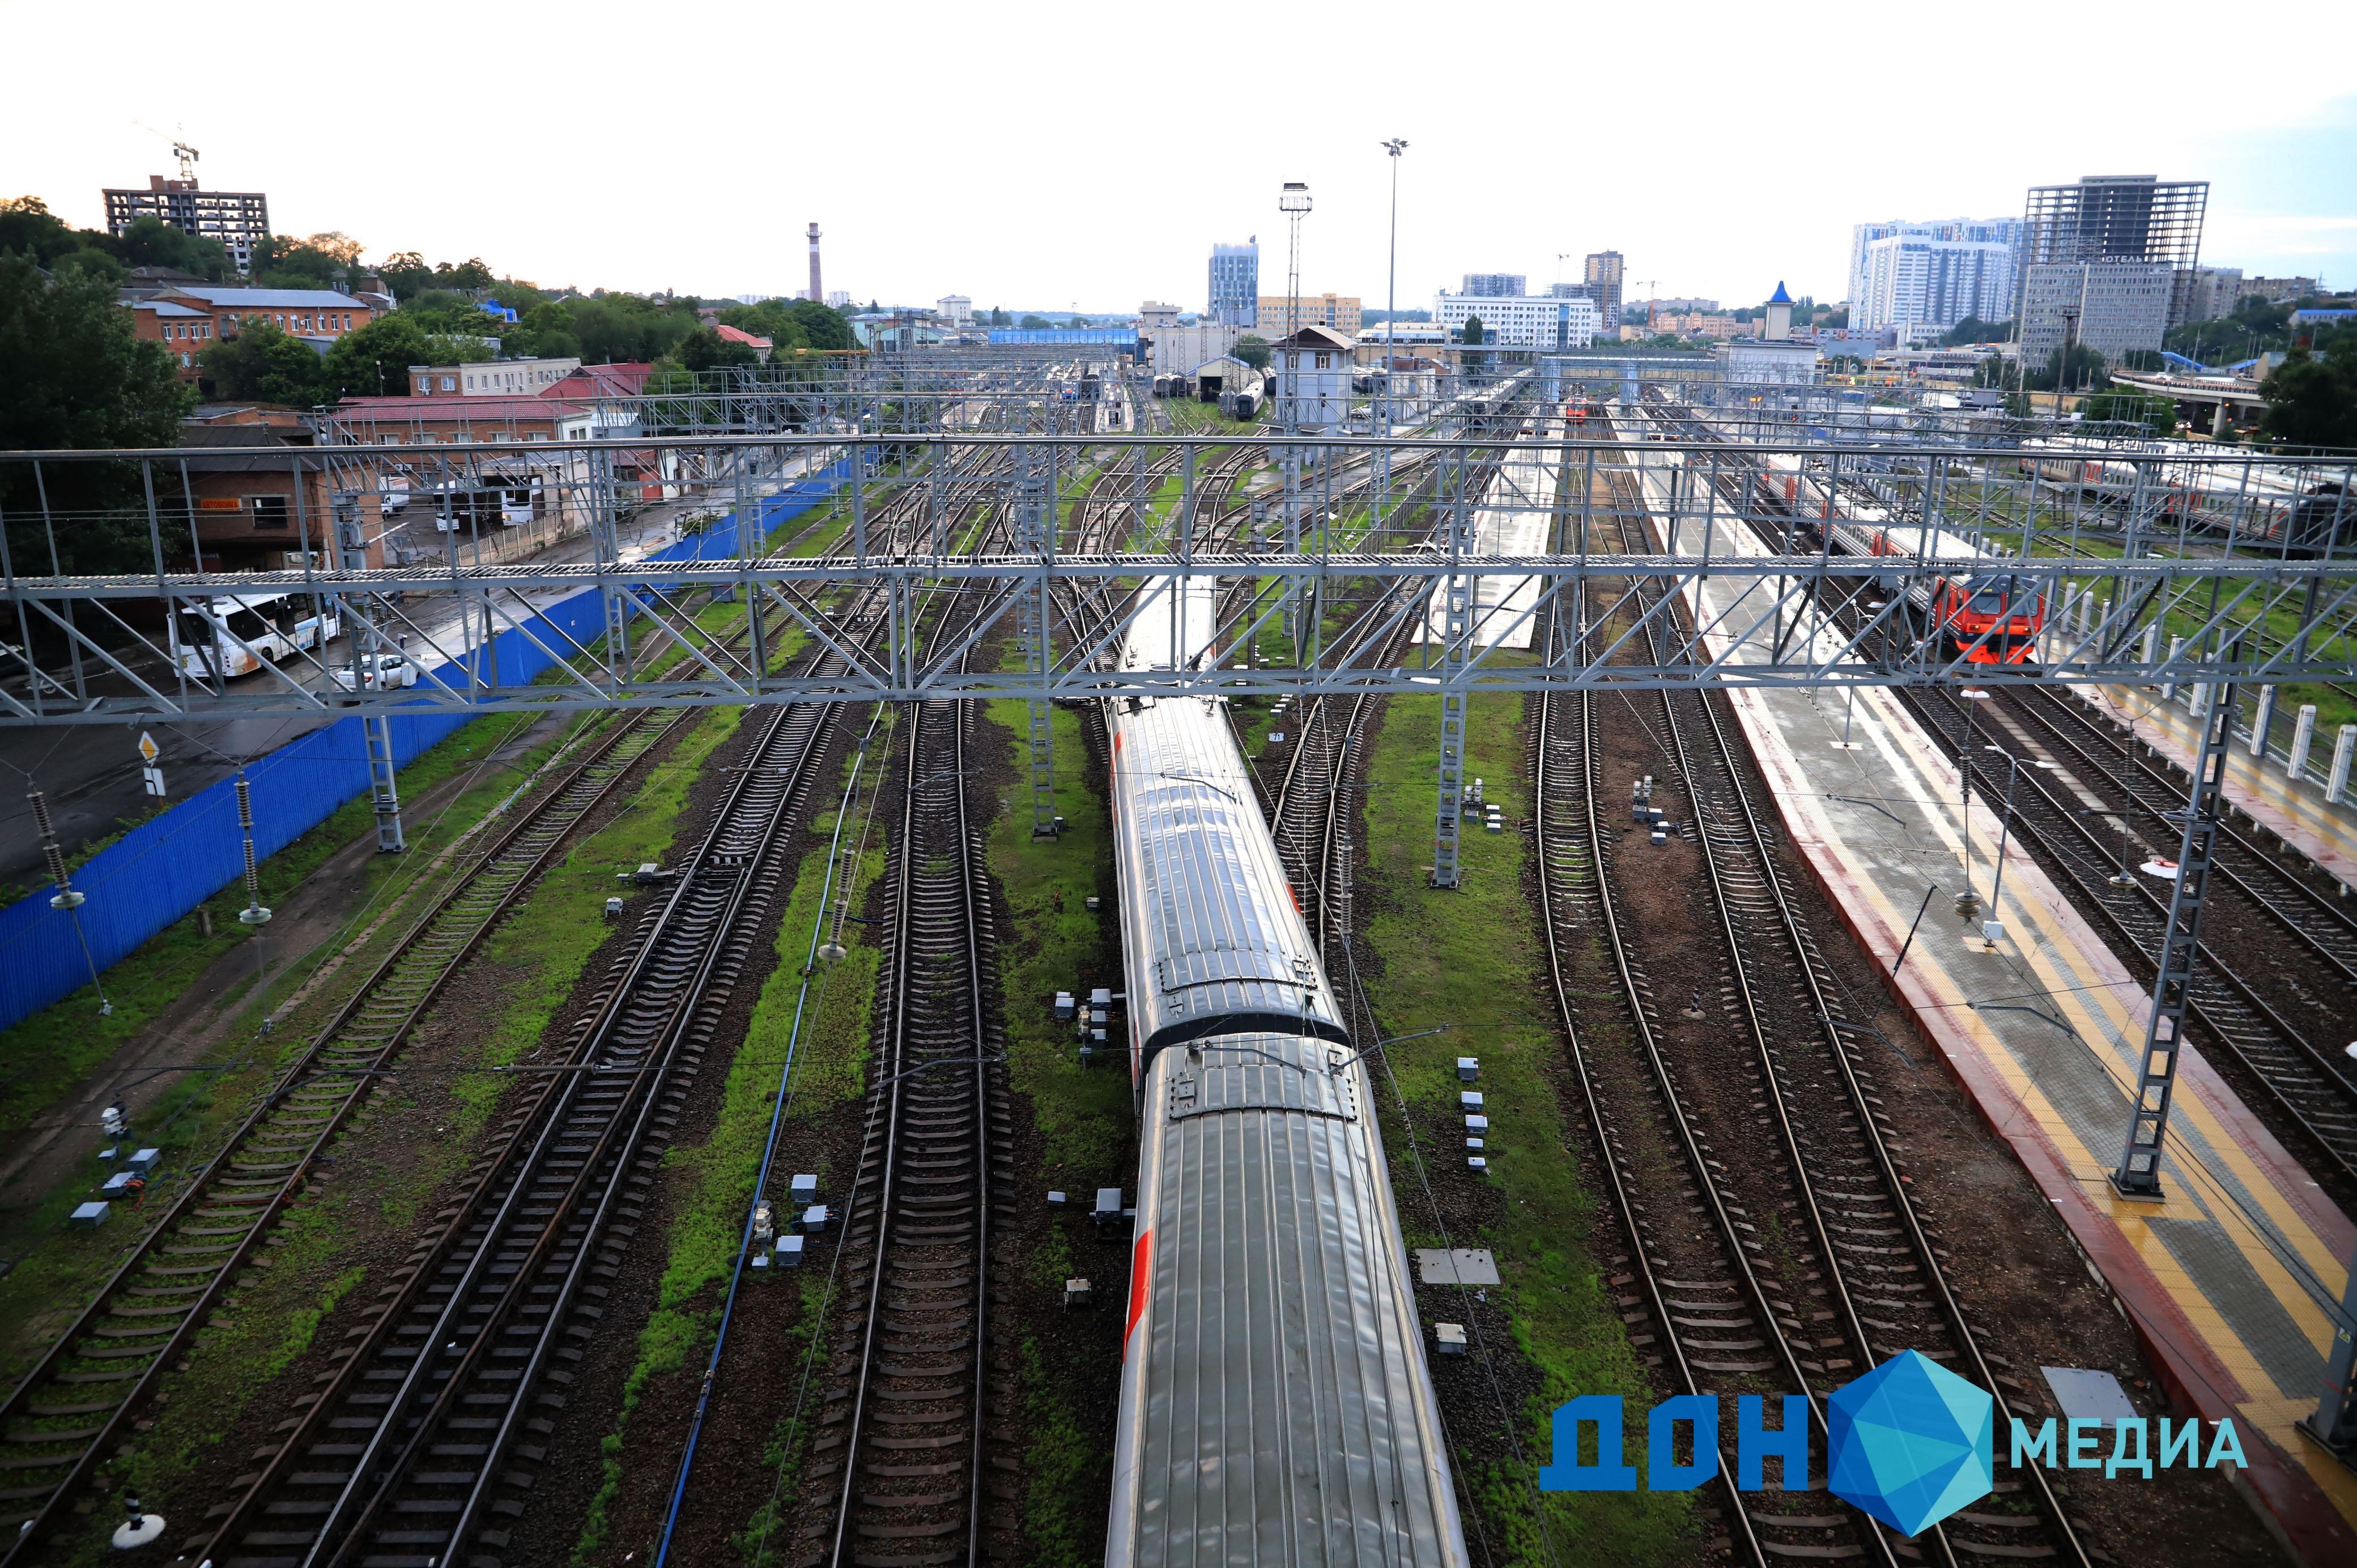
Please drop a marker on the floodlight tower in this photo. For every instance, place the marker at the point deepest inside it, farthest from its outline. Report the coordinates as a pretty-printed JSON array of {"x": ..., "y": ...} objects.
[
  {"x": 1294, "y": 202},
  {"x": 1383, "y": 402}
]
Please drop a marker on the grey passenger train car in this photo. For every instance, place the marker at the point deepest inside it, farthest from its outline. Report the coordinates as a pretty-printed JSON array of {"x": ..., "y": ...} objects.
[{"x": 1275, "y": 1406}]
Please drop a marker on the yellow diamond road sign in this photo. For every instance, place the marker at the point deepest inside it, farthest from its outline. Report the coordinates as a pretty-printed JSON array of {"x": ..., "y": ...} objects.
[{"x": 149, "y": 749}]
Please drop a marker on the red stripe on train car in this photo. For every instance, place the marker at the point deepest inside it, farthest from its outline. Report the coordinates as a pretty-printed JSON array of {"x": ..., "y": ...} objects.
[{"x": 1141, "y": 1268}]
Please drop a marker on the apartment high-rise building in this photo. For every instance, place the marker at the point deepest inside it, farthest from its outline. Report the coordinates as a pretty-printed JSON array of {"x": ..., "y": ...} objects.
[
  {"x": 1603, "y": 275},
  {"x": 1235, "y": 285},
  {"x": 2005, "y": 232},
  {"x": 1496, "y": 286},
  {"x": 2118, "y": 218},
  {"x": 240, "y": 219},
  {"x": 1521, "y": 321},
  {"x": 1274, "y": 317},
  {"x": 2112, "y": 307},
  {"x": 1922, "y": 288}
]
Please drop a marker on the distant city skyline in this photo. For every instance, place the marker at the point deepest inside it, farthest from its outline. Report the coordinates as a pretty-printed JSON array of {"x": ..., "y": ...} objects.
[{"x": 950, "y": 190}]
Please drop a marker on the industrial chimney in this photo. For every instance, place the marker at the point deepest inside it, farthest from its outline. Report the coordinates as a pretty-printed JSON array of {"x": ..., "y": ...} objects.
[{"x": 817, "y": 293}]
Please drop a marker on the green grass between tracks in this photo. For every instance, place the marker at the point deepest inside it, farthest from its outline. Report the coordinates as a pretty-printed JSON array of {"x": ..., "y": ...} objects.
[
  {"x": 539, "y": 954},
  {"x": 1083, "y": 1114},
  {"x": 1474, "y": 959},
  {"x": 715, "y": 1179}
]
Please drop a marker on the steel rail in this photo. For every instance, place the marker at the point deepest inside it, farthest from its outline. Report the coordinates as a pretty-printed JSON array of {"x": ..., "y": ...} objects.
[
  {"x": 1805, "y": 959},
  {"x": 539, "y": 832}
]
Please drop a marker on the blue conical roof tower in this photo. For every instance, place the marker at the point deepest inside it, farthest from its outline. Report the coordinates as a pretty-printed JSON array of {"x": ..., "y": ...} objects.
[{"x": 1779, "y": 296}]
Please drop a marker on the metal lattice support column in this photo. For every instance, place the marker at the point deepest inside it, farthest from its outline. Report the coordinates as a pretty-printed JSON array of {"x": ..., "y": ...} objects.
[
  {"x": 1456, "y": 604},
  {"x": 1035, "y": 535},
  {"x": 2334, "y": 1425},
  {"x": 2139, "y": 1171},
  {"x": 368, "y": 643},
  {"x": 378, "y": 731}
]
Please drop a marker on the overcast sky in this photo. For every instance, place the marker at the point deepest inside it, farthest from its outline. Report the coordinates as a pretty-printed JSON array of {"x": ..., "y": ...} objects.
[{"x": 1047, "y": 155}]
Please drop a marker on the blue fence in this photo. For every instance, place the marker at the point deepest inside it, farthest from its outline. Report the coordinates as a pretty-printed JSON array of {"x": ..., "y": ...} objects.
[{"x": 159, "y": 871}]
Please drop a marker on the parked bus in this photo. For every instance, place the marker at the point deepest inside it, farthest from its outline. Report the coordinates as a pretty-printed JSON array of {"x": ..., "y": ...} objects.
[{"x": 215, "y": 640}]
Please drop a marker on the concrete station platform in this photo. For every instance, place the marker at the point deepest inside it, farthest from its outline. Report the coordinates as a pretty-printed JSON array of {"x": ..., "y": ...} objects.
[
  {"x": 2294, "y": 809},
  {"x": 2230, "y": 1281}
]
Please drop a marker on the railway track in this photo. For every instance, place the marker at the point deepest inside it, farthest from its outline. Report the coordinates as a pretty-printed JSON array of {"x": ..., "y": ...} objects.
[
  {"x": 922, "y": 1379},
  {"x": 2256, "y": 1022},
  {"x": 420, "y": 1445},
  {"x": 2319, "y": 930},
  {"x": 2301, "y": 1083},
  {"x": 64, "y": 1415},
  {"x": 1776, "y": 1152}
]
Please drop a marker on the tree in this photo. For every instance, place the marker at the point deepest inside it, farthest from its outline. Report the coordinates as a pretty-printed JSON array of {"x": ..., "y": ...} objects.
[
  {"x": 1036, "y": 324},
  {"x": 152, "y": 242},
  {"x": 822, "y": 327},
  {"x": 1973, "y": 330},
  {"x": 264, "y": 364},
  {"x": 2130, "y": 405},
  {"x": 73, "y": 373},
  {"x": 2082, "y": 373},
  {"x": 1253, "y": 350},
  {"x": 703, "y": 350},
  {"x": 1474, "y": 332},
  {"x": 2312, "y": 399},
  {"x": 773, "y": 319},
  {"x": 374, "y": 361},
  {"x": 998, "y": 317}
]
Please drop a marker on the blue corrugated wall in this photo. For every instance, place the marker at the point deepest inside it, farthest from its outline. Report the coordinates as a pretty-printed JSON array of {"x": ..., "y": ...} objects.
[{"x": 159, "y": 871}]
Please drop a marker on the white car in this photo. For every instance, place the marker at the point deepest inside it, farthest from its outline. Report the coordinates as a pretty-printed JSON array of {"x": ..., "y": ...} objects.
[{"x": 380, "y": 672}]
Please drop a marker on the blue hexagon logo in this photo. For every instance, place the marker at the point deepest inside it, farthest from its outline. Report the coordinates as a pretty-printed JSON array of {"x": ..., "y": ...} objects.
[{"x": 1911, "y": 1443}]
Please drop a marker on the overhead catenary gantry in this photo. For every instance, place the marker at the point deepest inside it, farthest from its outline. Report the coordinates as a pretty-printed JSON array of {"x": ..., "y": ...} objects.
[{"x": 2163, "y": 569}]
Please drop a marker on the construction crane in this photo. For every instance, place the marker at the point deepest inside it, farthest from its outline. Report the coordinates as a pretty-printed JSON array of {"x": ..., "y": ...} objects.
[
  {"x": 180, "y": 150},
  {"x": 1651, "y": 284}
]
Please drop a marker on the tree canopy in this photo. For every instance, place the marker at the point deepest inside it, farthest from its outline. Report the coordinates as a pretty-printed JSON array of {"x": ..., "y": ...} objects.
[
  {"x": 1474, "y": 332},
  {"x": 73, "y": 373},
  {"x": 2129, "y": 405},
  {"x": 2312, "y": 398},
  {"x": 1031, "y": 323},
  {"x": 1253, "y": 350},
  {"x": 1973, "y": 330},
  {"x": 28, "y": 228}
]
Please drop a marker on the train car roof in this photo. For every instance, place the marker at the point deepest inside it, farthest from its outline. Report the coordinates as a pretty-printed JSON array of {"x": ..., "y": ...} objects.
[
  {"x": 1286, "y": 1415},
  {"x": 1209, "y": 920}
]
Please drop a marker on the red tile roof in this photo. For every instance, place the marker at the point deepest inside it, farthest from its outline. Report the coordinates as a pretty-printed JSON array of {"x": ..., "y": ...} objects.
[
  {"x": 627, "y": 380},
  {"x": 739, "y": 334}
]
